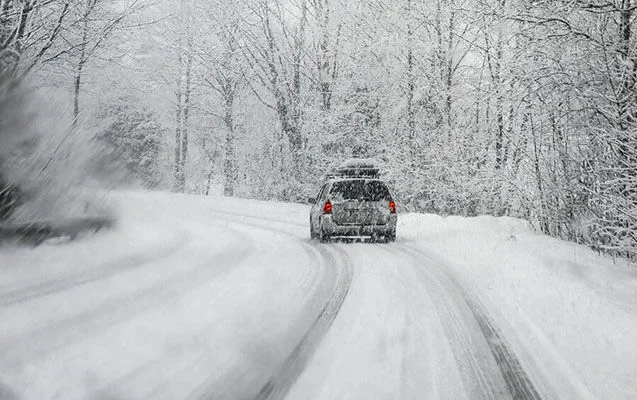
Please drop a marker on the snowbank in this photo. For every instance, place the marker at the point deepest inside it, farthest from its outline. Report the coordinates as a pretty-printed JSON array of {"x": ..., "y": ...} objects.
[
  {"x": 426, "y": 226},
  {"x": 552, "y": 297},
  {"x": 568, "y": 313}
]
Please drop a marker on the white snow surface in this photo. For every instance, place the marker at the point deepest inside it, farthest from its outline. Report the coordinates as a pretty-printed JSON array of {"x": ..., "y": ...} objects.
[
  {"x": 209, "y": 297},
  {"x": 568, "y": 310}
]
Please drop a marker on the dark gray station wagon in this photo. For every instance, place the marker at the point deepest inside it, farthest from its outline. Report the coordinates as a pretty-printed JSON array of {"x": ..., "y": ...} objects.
[{"x": 353, "y": 203}]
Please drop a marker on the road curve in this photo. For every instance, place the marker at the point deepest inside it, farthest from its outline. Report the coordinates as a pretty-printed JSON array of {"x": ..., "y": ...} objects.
[
  {"x": 323, "y": 308},
  {"x": 50, "y": 330},
  {"x": 409, "y": 330},
  {"x": 347, "y": 307}
]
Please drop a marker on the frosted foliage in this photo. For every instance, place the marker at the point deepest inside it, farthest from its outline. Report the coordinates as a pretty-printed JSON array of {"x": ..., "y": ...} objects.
[
  {"x": 132, "y": 139},
  {"x": 515, "y": 108}
]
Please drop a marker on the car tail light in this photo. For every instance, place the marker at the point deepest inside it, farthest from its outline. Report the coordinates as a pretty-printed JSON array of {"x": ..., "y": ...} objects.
[
  {"x": 392, "y": 207},
  {"x": 327, "y": 208}
]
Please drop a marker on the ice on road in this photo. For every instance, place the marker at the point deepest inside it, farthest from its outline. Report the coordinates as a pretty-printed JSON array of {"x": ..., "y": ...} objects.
[{"x": 210, "y": 298}]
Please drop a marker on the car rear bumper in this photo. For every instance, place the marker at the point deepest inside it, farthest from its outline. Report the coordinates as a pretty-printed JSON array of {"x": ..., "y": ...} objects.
[{"x": 334, "y": 230}]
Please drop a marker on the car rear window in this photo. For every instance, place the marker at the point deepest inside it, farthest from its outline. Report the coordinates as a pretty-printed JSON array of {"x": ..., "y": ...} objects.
[{"x": 360, "y": 190}]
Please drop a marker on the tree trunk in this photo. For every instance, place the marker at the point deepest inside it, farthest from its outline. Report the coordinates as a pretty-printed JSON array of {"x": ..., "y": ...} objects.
[
  {"x": 411, "y": 118},
  {"x": 177, "y": 171},
  {"x": 542, "y": 215},
  {"x": 229, "y": 167},
  {"x": 297, "y": 139},
  {"x": 76, "y": 96},
  {"x": 185, "y": 123},
  {"x": 626, "y": 153},
  {"x": 81, "y": 61},
  {"x": 324, "y": 58},
  {"x": 449, "y": 73}
]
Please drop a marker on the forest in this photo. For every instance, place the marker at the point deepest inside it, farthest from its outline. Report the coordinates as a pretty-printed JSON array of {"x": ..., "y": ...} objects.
[{"x": 525, "y": 108}]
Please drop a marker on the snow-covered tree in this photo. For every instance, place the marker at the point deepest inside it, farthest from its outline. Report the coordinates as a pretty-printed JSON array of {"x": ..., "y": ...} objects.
[{"x": 134, "y": 140}]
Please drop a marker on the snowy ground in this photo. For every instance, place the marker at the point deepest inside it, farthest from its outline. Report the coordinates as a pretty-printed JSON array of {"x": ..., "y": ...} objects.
[{"x": 213, "y": 298}]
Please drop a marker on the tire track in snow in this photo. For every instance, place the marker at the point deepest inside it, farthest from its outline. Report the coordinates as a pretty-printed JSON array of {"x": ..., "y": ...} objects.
[
  {"x": 214, "y": 387},
  {"x": 479, "y": 373},
  {"x": 279, "y": 385},
  {"x": 517, "y": 381},
  {"x": 338, "y": 275}
]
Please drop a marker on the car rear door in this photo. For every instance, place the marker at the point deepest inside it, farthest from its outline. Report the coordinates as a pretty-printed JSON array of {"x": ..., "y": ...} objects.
[
  {"x": 360, "y": 202},
  {"x": 375, "y": 204}
]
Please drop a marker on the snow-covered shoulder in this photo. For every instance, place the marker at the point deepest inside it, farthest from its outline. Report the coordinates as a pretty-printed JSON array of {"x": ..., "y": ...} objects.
[{"x": 557, "y": 298}]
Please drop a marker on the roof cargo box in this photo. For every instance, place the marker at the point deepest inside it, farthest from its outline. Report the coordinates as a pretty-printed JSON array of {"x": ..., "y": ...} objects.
[{"x": 358, "y": 167}]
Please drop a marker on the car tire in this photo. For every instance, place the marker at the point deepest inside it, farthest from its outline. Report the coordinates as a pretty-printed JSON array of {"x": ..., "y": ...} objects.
[
  {"x": 323, "y": 237},
  {"x": 391, "y": 236},
  {"x": 313, "y": 234}
]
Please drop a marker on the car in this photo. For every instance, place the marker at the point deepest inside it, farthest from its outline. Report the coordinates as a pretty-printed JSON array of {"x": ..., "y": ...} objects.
[{"x": 353, "y": 202}]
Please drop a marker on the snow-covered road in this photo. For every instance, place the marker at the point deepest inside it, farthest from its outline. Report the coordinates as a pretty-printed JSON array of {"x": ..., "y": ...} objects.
[{"x": 201, "y": 298}]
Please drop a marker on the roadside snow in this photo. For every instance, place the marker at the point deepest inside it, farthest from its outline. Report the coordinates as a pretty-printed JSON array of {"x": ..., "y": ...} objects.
[
  {"x": 572, "y": 312},
  {"x": 205, "y": 296},
  {"x": 173, "y": 302}
]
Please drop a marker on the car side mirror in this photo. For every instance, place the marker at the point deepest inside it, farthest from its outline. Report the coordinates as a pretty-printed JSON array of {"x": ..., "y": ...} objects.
[{"x": 311, "y": 200}]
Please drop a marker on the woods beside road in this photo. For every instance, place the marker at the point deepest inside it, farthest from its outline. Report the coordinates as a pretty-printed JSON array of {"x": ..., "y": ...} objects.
[{"x": 497, "y": 107}]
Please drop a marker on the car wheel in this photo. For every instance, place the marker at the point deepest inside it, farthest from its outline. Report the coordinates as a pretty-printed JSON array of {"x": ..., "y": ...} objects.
[
  {"x": 323, "y": 237},
  {"x": 312, "y": 234},
  {"x": 391, "y": 236}
]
